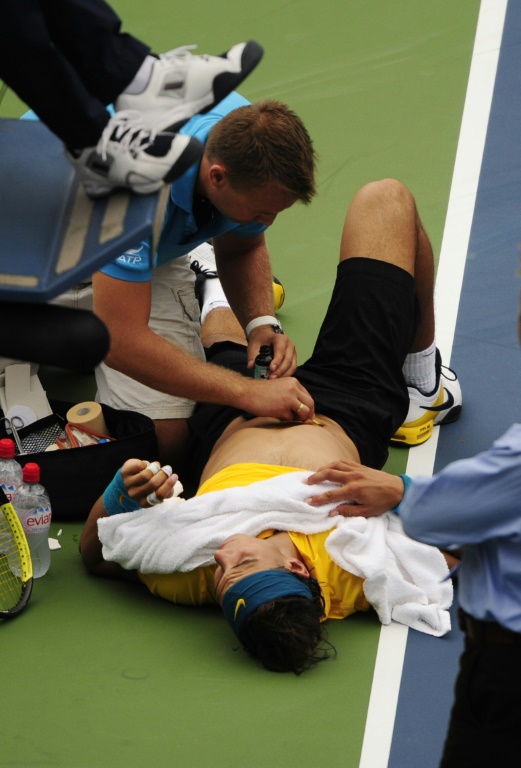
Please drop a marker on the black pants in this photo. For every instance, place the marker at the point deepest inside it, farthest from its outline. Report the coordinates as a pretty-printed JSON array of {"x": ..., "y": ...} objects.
[
  {"x": 67, "y": 60},
  {"x": 485, "y": 724}
]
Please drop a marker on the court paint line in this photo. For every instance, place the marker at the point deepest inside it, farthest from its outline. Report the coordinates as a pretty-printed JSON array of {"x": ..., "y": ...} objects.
[
  {"x": 467, "y": 169},
  {"x": 385, "y": 689}
]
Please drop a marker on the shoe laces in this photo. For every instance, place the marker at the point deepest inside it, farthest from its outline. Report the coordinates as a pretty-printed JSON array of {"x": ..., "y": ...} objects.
[
  {"x": 126, "y": 127},
  {"x": 199, "y": 269},
  {"x": 448, "y": 373}
]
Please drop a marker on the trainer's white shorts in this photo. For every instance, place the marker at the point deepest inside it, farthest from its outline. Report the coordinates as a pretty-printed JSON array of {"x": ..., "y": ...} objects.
[{"x": 174, "y": 316}]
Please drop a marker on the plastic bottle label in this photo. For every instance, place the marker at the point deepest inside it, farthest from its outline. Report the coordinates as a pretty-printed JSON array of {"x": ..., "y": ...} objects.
[
  {"x": 8, "y": 490},
  {"x": 40, "y": 518},
  {"x": 261, "y": 372}
]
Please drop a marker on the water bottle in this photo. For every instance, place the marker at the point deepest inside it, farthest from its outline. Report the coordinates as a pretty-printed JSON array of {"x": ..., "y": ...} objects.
[
  {"x": 33, "y": 507},
  {"x": 261, "y": 368},
  {"x": 10, "y": 469}
]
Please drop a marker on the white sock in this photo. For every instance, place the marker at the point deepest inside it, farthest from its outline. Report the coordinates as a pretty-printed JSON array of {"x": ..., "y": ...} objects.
[
  {"x": 213, "y": 296},
  {"x": 142, "y": 76},
  {"x": 419, "y": 370}
]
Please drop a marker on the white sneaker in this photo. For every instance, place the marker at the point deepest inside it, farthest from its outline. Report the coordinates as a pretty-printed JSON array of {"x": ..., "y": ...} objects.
[
  {"x": 182, "y": 85},
  {"x": 131, "y": 156},
  {"x": 426, "y": 411},
  {"x": 202, "y": 260}
]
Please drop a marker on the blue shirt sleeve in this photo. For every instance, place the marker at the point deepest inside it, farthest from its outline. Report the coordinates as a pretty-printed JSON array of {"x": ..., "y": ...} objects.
[
  {"x": 470, "y": 501},
  {"x": 135, "y": 265}
]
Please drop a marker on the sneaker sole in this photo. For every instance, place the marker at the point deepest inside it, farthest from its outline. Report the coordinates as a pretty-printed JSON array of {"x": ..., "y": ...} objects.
[
  {"x": 420, "y": 433},
  {"x": 190, "y": 155},
  {"x": 406, "y": 437},
  {"x": 227, "y": 82}
]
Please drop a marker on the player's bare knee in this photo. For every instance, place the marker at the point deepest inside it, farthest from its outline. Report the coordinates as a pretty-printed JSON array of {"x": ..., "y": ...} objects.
[{"x": 387, "y": 193}]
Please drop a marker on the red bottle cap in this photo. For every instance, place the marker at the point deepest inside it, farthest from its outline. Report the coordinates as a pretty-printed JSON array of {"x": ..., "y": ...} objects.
[
  {"x": 6, "y": 448},
  {"x": 31, "y": 473}
]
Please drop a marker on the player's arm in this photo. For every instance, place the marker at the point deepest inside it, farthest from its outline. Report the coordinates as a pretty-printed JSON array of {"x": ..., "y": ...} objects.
[
  {"x": 130, "y": 488},
  {"x": 245, "y": 272}
]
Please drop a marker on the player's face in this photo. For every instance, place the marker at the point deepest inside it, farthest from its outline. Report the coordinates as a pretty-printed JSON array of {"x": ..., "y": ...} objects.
[
  {"x": 261, "y": 205},
  {"x": 240, "y": 556}
]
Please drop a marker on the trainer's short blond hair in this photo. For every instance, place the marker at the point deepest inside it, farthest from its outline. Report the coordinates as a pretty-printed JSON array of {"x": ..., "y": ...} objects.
[{"x": 263, "y": 143}]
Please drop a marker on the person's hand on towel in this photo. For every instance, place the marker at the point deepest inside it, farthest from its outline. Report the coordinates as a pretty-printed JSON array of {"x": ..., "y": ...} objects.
[{"x": 361, "y": 491}]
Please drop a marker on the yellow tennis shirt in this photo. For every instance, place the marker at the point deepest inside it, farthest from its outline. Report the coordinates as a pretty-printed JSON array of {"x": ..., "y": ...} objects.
[{"x": 343, "y": 592}]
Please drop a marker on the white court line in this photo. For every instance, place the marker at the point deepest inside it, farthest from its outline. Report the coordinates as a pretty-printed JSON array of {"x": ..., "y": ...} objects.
[{"x": 393, "y": 638}]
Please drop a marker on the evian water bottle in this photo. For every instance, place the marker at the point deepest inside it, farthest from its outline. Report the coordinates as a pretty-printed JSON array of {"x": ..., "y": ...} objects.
[
  {"x": 33, "y": 507},
  {"x": 10, "y": 470}
]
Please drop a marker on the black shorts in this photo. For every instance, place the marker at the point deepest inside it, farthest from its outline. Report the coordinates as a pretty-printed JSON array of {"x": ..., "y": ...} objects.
[{"x": 355, "y": 371}]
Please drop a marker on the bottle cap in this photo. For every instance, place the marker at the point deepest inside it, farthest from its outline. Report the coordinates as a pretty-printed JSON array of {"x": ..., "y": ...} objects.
[
  {"x": 31, "y": 472},
  {"x": 6, "y": 448}
]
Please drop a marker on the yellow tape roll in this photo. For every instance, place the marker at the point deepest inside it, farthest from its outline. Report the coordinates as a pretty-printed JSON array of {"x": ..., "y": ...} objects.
[{"x": 88, "y": 415}]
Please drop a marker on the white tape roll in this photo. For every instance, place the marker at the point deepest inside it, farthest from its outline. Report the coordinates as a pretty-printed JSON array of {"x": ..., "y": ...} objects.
[{"x": 22, "y": 412}]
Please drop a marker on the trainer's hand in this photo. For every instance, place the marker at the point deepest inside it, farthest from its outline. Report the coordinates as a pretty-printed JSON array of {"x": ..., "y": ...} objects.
[
  {"x": 284, "y": 354},
  {"x": 143, "y": 479},
  {"x": 284, "y": 399},
  {"x": 362, "y": 491}
]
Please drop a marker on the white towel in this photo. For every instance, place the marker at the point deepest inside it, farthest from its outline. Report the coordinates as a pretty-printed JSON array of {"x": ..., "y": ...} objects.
[{"x": 403, "y": 578}]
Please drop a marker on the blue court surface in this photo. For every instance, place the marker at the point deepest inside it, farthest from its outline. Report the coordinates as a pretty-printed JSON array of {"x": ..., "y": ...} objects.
[{"x": 487, "y": 358}]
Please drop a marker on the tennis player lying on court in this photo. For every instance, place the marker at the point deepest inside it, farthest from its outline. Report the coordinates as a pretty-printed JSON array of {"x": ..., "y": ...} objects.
[{"x": 279, "y": 574}]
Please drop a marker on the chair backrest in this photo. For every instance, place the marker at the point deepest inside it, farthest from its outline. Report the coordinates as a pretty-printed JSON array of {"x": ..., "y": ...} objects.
[{"x": 52, "y": 237}]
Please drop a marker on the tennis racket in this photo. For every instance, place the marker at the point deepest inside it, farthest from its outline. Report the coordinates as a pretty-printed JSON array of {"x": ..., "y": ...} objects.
[{"x": 16, "y": 568}]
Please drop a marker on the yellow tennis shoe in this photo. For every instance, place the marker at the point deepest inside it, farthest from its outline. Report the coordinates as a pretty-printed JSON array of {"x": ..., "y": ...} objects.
[{"x": 426, "y": 411}]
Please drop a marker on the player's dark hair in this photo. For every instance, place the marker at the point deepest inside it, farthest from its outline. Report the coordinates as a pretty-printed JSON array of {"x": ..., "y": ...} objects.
[{"x": 287, "y": 634}]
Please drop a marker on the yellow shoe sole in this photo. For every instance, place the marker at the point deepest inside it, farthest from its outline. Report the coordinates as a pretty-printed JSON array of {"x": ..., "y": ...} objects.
[{"x": 416, "y": 434}]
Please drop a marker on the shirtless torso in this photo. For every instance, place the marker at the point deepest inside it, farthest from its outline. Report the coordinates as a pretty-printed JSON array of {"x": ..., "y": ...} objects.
[{"x": 265, "y": 440}]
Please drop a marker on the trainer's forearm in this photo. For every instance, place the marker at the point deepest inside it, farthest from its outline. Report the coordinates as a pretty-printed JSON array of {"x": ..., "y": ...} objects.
[{"x": 161, "y": 365}]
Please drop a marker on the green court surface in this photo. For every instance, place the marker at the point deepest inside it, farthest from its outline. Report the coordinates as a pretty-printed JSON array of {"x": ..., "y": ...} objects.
[{"x": 99, "y": 673}]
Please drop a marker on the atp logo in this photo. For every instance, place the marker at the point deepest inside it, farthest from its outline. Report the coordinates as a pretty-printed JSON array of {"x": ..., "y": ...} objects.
[{"x": 133, "y": 255}]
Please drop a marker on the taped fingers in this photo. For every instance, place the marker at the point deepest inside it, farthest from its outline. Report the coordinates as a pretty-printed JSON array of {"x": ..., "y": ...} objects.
[{"x": 164, "y": 482}]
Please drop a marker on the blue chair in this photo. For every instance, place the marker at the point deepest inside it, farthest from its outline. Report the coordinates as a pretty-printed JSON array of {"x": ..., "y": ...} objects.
[{"x": 52, "y": 236}]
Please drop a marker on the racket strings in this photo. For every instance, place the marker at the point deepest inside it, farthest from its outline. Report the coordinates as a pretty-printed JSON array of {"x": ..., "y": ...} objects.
[{"x": 12, "y": 566}]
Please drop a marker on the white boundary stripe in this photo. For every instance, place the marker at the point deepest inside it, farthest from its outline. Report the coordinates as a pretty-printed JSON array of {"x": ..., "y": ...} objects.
[
  {"x": 467, "y": 169},
  {"x": 385, "y": 689}
]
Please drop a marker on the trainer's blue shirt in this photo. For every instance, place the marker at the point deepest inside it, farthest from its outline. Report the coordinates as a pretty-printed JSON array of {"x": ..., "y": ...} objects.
[
  {"x": 180, "y": 232},
  {"x": 476, "y": 504}
]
